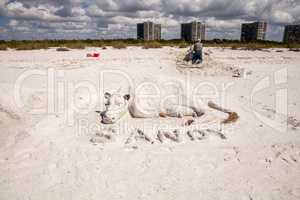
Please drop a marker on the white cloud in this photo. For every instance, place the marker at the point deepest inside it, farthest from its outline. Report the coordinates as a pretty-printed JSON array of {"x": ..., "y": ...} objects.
[
  {"x": 282, "y": 17},
  {"x": 13, "y": 23},
  {"x": 97, "y": 17},
  {"x": 223, "y": 24},
  {"x": 43, "y": 12}
]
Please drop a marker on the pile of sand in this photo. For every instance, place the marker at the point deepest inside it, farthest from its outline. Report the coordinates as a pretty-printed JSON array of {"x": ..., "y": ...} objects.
[{"x": 209, "y": 67}]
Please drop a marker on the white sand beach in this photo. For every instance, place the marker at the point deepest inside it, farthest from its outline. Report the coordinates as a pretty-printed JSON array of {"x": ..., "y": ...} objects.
[{"x": 53, "y": 145}]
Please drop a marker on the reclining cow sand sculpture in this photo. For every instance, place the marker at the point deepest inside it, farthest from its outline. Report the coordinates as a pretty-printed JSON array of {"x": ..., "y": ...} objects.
[{"x": 118, "y": 105}]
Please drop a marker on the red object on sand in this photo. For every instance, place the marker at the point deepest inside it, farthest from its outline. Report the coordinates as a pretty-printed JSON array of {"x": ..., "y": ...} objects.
[{"x": 93, "y": 55}]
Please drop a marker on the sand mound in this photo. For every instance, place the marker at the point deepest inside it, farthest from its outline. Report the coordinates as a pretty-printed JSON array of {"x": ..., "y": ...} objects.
[{"x": 209, "y": 66}]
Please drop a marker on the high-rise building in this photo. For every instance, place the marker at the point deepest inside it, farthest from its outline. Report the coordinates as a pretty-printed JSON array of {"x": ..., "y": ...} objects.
[
  {"x": 291, "y": 33},
  {"x": 157, "y": 32},
  {"x": 253, "y": 31},
  {"x": 148, "y": 31},
  {"x": 193, "y": 31}
]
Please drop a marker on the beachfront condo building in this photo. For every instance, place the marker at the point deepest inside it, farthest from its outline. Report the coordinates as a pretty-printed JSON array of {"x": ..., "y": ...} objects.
[
  {"x": 193, "y": 31},
  {"x": 291, "y": 33},
  {"x": 253, "y": 31},
  {"x": 148, "y": 31}
]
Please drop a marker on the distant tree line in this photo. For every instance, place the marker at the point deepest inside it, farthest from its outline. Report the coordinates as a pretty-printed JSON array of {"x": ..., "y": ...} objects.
[{"x": 123, "y": 43}]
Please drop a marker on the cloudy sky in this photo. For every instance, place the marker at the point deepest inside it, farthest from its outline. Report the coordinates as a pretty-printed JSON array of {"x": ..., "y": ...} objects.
[{"x": 81, "y": 19}]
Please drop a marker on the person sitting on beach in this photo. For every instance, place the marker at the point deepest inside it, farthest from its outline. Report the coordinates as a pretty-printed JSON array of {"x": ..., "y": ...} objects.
[{"x": 197, "y": 55}]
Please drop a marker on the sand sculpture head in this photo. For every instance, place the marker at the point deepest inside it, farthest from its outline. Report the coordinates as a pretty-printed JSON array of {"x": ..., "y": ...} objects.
[{"x": 116, "y": 106}]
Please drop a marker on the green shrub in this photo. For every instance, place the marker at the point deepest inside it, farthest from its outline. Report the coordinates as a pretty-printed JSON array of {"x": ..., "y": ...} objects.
[
  {"x": 75, "y": 45},
  {"x": 235, "y": 47},
  {"x": 3, "y": 47},
  {"x": 252, "y": 47},
  {"x": 93, "y": 43},
  {"x": 119, "y": 45},
  {"x": 32, "y": 46},
  {"x": 292, "y": 45},
  {"x": 152, "y": 45},
  {"x": 183, "y": 45}
]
